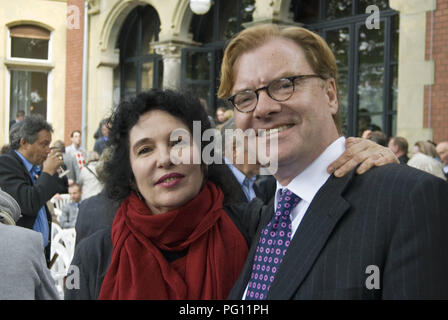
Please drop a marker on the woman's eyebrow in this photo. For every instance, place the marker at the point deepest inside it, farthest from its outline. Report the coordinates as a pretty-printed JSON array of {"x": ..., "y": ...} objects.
[{"x": 140, "y": 142}]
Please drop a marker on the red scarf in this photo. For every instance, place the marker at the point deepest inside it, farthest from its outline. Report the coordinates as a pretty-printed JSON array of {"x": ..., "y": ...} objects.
[{"x": 138, "y": 270}]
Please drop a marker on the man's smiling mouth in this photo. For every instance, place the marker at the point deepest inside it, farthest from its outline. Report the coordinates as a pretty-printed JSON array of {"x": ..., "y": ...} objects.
[{"x": 268, "y": 132}]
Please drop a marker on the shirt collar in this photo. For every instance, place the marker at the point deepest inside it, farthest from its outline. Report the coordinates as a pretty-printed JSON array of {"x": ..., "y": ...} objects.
[
  {"x": 445, "y": 168},
  {"x": 237, "y": 173},
  {"x": 307, "y": 183},
  {"x": 28, "y": 165}
]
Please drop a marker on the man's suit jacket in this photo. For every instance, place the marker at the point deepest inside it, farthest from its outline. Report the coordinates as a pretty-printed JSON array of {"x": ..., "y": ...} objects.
[
  {"x": 393, "y": 218},
  {"x": 15, "y": 180}
]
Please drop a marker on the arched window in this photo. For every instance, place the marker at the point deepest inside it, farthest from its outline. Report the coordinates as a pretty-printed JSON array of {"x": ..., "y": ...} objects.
[
  {"x": 29, "y": 44},
  {"x": 140, "y": 67}
]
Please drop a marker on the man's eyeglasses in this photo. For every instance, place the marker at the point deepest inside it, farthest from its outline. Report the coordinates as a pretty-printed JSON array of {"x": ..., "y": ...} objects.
[{"x": 278, "y": 90}]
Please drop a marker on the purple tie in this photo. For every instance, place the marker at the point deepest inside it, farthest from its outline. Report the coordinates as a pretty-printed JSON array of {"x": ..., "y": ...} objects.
[{"x": 274, "y": 241}]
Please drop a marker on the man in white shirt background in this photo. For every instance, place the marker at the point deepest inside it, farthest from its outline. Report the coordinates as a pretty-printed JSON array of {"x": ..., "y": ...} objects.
[{"x": 76, "y": 150}]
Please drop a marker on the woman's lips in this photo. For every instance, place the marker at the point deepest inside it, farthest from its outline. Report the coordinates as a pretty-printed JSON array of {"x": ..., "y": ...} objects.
[{"x": 170, "y": 180}]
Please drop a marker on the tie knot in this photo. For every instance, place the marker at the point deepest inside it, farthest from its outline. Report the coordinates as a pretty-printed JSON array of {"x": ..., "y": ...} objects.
[
  {"x": 287, "y": 201},
  {"x": 35, "y": 170}
]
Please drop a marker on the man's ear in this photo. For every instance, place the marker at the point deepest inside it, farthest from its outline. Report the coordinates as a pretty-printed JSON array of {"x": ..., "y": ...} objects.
[
  {"x": 22, "y": 143},
  {"x": 332, "y": 95}
]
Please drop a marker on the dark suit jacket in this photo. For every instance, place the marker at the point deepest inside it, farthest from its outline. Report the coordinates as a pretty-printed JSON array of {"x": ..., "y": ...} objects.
[
  {"x": 15, "y": 180},
  {"x": 95, "y": 213},
  {"x": 393, "y": 217}
]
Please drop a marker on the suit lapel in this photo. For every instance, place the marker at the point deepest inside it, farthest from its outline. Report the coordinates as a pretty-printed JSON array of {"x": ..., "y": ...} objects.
[
  {"x": 241, "y": 284},
  {"x": 327, "y": 207}
]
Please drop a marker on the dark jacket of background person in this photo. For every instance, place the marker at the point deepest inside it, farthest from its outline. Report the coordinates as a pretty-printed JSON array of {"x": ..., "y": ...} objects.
[
  {"x": 15, "y": 180},
  {"x": 23, "y": 269},
  {"x": 95, "y": 213}
]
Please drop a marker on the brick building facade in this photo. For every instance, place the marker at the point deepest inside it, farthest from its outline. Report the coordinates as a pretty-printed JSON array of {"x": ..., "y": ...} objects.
[{"x": 436, "y": 95}]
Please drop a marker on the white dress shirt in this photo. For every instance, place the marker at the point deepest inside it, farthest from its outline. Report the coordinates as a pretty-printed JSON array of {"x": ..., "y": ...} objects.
[{"x": 307, "y": 183}]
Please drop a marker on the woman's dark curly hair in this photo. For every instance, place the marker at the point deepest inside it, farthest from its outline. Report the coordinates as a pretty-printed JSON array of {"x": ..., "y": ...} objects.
[{"x": 183, "y": 106}]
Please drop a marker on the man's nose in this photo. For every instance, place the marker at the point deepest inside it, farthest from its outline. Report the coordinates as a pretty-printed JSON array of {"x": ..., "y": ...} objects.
[{"x": 266, "y": 106}]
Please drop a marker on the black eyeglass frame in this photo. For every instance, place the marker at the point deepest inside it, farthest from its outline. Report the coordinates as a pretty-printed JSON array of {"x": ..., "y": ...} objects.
[{"x": 291, "y": 79}]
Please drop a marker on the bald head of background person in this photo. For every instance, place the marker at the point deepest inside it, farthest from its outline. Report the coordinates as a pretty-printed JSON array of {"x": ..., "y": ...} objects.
[
  {"x": 442, "y": 150},
  {"x": 284, "y": 80}
]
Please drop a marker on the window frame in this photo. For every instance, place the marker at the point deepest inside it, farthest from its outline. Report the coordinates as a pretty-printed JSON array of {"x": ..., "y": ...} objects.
[
  {"x": 353, "y": 23},
  {"x": 28, "y": 60}
]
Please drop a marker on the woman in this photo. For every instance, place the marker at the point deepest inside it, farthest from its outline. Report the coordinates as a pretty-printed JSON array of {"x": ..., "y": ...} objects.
[{"x": 171, "y": 238}]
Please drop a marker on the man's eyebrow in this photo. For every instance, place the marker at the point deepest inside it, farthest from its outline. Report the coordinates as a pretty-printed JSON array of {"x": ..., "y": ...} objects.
[{"x": 285, "y": 74}]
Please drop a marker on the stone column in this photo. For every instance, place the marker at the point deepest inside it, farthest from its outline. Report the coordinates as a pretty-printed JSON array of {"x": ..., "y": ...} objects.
[
  {"x": 172, "y": 55},
  {"x": 414, "y": 72}
]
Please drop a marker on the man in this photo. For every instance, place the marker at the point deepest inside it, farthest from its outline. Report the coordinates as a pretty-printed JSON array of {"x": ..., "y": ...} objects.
[
  {"x": 19, "y": 117},
  {"x": 372, "y": 236},
  {"x": 70, "y": 210},
  {"x": 77, "y": 151},
  {"x": 399, "y": 147},
  {"x": 70, "y": 163},
  {"x": 101, "y": 142},
  {"x": 220, "y": 115},
  {"x": 28, "y": 172},
  {"x": 442, "y": 151},
  {"x": 245, "y": 178},
  {"x": 25, "y": 275}
]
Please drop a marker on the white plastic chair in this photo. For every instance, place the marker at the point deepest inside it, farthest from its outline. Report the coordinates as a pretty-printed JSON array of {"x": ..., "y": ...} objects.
[
  {"x": 62, "y": 244},
  {"x": 60, "y": 202},
  {"x": 58, "y": 213}
]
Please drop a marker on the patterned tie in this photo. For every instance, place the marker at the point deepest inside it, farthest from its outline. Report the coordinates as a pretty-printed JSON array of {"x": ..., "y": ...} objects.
[{"x": 274, "y": 241}]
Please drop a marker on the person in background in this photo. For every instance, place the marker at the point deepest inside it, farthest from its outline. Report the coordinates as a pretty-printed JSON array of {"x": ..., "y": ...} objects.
[
  {"x": 220, "y": 119},
  {"x": 399, "y": 147},
  {"x": 23, "y": 269},
  {"x": 205, "y": 106},
  {"x": 28, "y": 172},
  {"x": 245, "y": 177},
  {"x": 379, "y": 137},
  {"x": 425, "y": 147},
  {"x": 442, "y": 151},
  {"x": 102, "y": 141},
  {"x": 19, "y": 117},
  {"x": 70, "y": 162},
  {"x": 426, "y": 158},
  {"x": 88, "y": 179},
  {"x": 70, "y": 210},
  {"x": 77, "y": 151},
  {"x": 96, "y": 212}
]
